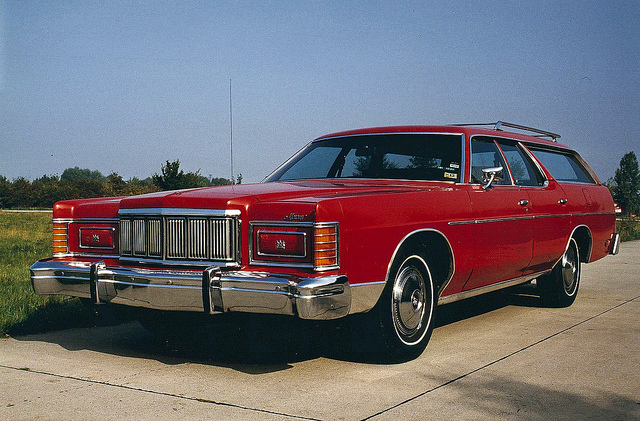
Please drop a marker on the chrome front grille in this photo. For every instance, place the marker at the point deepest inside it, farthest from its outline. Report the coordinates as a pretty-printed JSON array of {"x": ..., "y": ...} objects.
[
  {"x": 175, "y": 238},
  {"x": 154, "y": 227},
  {"x": 198, "y": 247},
  {"x": 180, "y": 235},
  {"x": 222, "y": 230},
  {"x": 139, "y": 237}
]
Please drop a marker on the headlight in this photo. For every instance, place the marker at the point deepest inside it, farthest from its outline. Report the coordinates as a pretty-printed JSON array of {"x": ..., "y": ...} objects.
[
  {"x": 97, "y": 238},
  {"x": 292, "y": 244},
  {"x": 286, "y": 244}
]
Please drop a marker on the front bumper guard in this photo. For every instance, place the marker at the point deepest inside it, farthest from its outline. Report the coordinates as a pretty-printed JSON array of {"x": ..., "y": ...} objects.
[
  {"x": 210, "y": 291},
  {"x": 614, "y": 245}
]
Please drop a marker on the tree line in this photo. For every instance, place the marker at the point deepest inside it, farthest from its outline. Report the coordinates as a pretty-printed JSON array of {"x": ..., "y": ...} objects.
[{"x": 80, "y": 183}]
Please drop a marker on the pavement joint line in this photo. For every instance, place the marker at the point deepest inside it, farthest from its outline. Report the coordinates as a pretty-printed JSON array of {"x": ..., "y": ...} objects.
[
  {"x": 489, "y": 364},
  {"x": 116, "y": 379},
  {"x": 172, "y": 395}
]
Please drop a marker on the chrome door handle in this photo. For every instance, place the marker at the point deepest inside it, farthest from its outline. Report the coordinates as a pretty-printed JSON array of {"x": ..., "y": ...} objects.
[
  {"x": 523, "y": 202},
  {"x": 563, "y": 201}
]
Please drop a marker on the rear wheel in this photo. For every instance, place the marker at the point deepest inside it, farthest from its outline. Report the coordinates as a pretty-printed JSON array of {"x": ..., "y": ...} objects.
[
  {"x": 560, "y": 287},
  {"x": 407, "y": 307}
]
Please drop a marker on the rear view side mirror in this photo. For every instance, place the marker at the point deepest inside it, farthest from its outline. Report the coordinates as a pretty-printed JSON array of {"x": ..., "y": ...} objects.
[{"x": 491, "y": 175}]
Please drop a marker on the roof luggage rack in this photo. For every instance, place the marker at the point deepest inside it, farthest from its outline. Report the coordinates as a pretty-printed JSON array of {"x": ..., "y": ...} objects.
[{"x": 498, "y": 124}]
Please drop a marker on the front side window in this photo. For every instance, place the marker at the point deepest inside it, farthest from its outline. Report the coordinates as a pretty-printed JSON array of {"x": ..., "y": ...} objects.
[
  {"x": 563, "y": 166},
  {"x": 430, "y": 157},
  {"x": 485, "y": 154},
  {"x": 519, "y": 169}
]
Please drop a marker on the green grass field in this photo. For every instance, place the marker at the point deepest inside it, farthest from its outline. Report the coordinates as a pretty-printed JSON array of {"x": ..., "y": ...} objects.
[{"x": 25, "y": 238}]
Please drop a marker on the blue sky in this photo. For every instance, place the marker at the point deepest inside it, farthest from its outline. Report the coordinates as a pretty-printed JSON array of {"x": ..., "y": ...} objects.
[{"x": 125, "y": 86}]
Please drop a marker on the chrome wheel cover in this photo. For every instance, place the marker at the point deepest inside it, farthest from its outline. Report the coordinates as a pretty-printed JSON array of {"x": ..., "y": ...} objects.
[
  {"x": 412, "y": 303},
  {"x": 570, "y": 269}
]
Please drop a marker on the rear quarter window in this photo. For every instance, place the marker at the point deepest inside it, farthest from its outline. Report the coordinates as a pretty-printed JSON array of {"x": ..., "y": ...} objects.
[{"x": 563, "y": 166}]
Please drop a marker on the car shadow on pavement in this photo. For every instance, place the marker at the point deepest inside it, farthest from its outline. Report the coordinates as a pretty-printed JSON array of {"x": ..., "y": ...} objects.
[
  {"x": 525, "y": 295},
  {"x": 258, "y": 344}
]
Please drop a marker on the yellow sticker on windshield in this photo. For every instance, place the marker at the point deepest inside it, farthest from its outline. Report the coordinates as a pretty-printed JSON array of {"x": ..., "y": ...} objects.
[{"x": 450, "y": 175}]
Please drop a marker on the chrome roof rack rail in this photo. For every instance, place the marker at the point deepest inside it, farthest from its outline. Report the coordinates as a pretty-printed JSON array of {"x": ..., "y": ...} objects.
[{"x": 499, "y": 124}]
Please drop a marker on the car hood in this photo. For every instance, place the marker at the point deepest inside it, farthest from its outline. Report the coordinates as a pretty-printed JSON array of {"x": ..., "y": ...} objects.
[{"x": 309, "y": 191}]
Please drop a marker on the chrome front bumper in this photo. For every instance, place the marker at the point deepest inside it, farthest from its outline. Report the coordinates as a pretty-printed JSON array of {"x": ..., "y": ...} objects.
[{"x": 210, "y": 291}]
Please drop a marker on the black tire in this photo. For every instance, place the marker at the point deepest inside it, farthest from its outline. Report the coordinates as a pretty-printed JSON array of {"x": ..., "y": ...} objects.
[
  {"x": 559, "y": 288},
  {"x": 406, "y": 310}
]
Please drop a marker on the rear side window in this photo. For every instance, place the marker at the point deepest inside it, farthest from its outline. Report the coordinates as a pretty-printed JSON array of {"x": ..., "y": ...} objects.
[
  {"x": 563, "y": 166},
  {"x": 521, "y": 168}
]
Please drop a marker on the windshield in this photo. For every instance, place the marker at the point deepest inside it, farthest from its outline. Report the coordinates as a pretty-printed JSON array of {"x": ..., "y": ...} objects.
[{"x": 433, "y": 157}]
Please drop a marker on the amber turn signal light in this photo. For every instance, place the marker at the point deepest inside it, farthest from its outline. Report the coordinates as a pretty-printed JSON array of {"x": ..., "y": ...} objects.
[
  {"x": 325, "y": 250},
  {"x": 60, "y": 238}
]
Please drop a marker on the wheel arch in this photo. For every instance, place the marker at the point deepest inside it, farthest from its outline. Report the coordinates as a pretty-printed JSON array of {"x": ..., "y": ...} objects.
[
  {"x": 434, "y": 247},
  {"x": 583, "y": 237}
]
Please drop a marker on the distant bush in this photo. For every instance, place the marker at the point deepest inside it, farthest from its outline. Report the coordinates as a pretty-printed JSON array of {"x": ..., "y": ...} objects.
[
  {"x": 629, "y": 228},
  {"x": 171, "y": 177},
  {"x": 76, "y": 173}
]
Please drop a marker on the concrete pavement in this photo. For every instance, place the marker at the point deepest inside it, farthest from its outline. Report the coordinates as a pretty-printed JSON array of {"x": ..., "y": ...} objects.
[{"x": 498, "y": 356}]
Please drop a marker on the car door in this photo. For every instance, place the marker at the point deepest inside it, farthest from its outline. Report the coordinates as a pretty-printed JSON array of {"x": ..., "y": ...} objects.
[
  {"x": 547, "y": 205},
  {"x": 582, "y": 198},
  {"x": 551, "y": 225},
  {"x": 503, "y": 225}
]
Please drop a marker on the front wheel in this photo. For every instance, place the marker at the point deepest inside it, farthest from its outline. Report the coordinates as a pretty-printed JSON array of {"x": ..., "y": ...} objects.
[
  {"x": 559, "y": 288},
  {"x": 407, "y": 308}
]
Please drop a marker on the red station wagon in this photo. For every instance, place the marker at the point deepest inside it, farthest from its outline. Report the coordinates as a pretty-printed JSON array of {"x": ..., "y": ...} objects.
[{"x": 389, "y": 221}]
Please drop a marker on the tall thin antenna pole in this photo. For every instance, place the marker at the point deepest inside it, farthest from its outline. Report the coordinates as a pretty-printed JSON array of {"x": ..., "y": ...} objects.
[{"x": 231, "y": 131}]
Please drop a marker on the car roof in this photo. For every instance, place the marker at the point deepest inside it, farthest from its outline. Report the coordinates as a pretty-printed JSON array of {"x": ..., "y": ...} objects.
[{"x": 467, "y": 130}]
